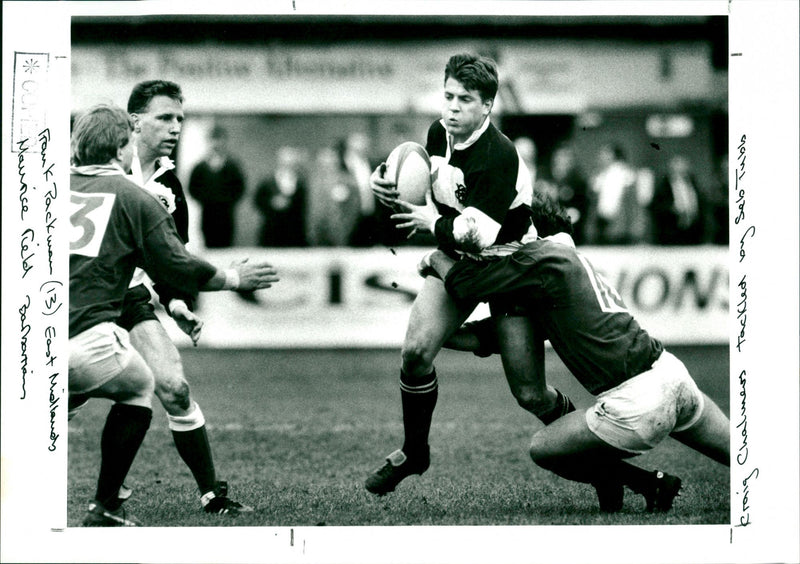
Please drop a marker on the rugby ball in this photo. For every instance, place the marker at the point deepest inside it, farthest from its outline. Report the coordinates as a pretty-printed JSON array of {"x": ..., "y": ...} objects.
[{"x": 409, "y": 166}]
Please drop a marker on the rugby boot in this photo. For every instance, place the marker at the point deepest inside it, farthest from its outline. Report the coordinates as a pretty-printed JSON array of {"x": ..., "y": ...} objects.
[
  {"x": 662, "y": 491},
  {"x": 398, "y": 466},
  {"x": 99, "y": 516},
  {"x": 124, "y": 494},
  {"x": 217, "y": 502}
]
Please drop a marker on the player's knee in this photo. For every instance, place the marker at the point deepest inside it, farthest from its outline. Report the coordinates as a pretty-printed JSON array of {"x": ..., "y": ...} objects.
[
  {"x": 532, "y": 399},
  {"x": 417, "y": 357},
  {"x": 538, "y": 451},
  {"x": 541, "y": 459},
  {"x": 174, "y": 394}
]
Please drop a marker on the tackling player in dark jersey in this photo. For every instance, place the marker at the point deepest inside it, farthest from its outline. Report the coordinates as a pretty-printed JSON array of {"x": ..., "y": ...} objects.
[
  {"x": 480, "y": 191},
  {"x": 116, "y": 227},
  {"x": 643, "y": 392}
]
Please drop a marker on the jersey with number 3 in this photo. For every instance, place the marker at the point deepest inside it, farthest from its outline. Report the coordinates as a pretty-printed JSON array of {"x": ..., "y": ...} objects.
[
  {"x": 580, "y": 313},
  {"x": 115, "y": 227}
]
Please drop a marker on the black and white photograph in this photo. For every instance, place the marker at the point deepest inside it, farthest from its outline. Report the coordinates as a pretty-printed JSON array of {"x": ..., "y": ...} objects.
[{"x": 387, "y": 282}]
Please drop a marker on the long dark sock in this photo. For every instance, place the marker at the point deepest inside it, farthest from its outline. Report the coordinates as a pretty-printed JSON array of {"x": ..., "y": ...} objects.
[
  {"x": 580, "y": 467},
  {"x": 191, "y": 440},
  {"x": 419, "y": 397},
  {"x": 124, "y": 431},
  {"x": 637, "y": 479},
  {"x": 195, "y": 450},
  {"x": 594, "y": 468}
]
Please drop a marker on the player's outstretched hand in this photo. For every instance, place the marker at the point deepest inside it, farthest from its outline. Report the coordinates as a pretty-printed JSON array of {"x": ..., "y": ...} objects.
[
  {"x": 255, "y": 275},
  {"x": 385, "y": 190},
  {"x": 186, "y": 319}
]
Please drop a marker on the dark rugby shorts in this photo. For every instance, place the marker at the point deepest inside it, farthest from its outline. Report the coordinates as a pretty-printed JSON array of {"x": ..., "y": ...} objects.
[{"x": 136, "y": 307}]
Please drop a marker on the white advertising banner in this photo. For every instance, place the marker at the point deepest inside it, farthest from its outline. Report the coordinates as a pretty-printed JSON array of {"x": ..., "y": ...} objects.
[
  {"x": 545, "y": 77},
  {"x": 361, "y": 298}
]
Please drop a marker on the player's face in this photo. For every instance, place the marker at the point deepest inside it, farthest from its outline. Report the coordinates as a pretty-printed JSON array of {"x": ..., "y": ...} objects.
[
  {"x": 159, "y": 127},
  {"x": 463, "y": 110}
]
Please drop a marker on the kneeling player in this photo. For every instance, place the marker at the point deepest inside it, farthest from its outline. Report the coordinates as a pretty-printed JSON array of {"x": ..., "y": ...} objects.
[{"x": 643, "y": 392}]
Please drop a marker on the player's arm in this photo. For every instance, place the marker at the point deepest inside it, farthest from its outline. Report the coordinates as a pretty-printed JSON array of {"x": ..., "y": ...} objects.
[
  {"x": 472, "y": 281},
  {"x": 478, "y": 337},
  {"x": 471, "y": 231},
  {"x": 242, "y": 275},
  {"x": 188, "y": 321},
  {"x": 478, "y": 224},
  {"x": 476, "y": 227},
  {"x": 491, "y": 191},
  {"x": 169, "y": 297},
  {"x": 166, "y": 260}
]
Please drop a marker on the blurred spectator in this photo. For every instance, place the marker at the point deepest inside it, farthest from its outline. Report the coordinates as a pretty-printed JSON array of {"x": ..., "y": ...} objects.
[
  {"x": 677, "y": 206},
  {"x": 354, "y": 156},
  {"x": 217, "y": 183},
  {"x": 569, "y": 186},
  {"x": 333, "y": 206},
  {"x": 527, "y": 152},
  {"x": 616, "y": 213},
  {"x": 642, "y": 229},
  {"x": 717, "y": 216},
  {"x": 281, "y": 199}
]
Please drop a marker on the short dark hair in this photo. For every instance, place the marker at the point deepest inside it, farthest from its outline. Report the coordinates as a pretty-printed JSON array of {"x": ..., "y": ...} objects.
[
  {"x": 474, "y": 72},
  {"x": 549, "y": 216},
  {"x": 98, "y": 133},
  {"x": 144, "y": 92}
]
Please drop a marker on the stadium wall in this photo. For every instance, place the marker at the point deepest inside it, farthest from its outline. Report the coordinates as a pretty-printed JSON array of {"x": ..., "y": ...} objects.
[{"x": 353, "y": 298}]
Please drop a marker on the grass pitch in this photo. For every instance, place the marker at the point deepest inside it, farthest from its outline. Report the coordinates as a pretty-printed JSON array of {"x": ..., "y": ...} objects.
[{"x": 296, "y": 432}]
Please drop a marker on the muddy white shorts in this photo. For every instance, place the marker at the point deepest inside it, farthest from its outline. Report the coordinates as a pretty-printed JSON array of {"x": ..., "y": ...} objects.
[
  {"x": 97, "y": 355},
  {"x": 640, "y": 413}
]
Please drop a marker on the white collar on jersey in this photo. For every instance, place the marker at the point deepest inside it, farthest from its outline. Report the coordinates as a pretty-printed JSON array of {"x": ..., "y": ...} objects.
[
  {"x": 562, "y": 238},
  {"x": 164, "y": 164},
  {"x": 110, "y": 169},
  {"x": 451, "y": 146}
]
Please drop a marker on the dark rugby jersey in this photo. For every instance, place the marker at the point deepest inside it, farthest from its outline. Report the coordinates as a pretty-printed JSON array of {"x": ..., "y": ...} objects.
[
  {"x": 116, "y": 226},
  {"x": 166, "y": 177},
  {"x": 486, "y": 175},
  {"x": 181, "y": 214},
  {"x": 584, "y": 318}
]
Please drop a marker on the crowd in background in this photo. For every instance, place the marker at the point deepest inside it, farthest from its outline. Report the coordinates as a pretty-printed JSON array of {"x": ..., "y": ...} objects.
[
  {"x": 618, "y": 204},
  {"x": 324, "y": 199}
]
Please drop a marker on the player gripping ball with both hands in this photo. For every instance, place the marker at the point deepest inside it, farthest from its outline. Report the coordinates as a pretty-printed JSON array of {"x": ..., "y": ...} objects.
[{"x": 477, "y": 207}]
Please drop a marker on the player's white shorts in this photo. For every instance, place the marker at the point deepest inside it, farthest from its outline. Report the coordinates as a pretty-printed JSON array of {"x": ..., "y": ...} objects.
[
  {"x": 640, "y": 413},
  {"x": 97, "y": 355}
]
